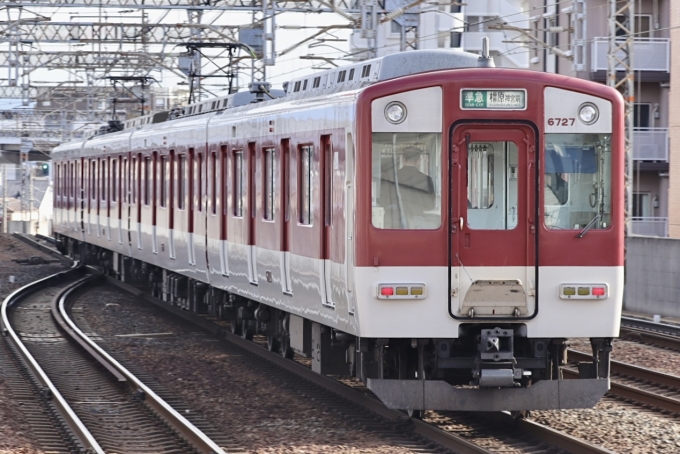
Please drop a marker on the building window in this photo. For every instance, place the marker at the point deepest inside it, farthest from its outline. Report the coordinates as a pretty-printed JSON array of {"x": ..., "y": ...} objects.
[
  {"x": 305, "y": 184},
  {"x": 269, "y": 162}
]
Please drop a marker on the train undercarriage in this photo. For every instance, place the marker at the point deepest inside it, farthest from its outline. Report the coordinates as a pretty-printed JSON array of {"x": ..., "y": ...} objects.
[{"x": 489, "y": 366}]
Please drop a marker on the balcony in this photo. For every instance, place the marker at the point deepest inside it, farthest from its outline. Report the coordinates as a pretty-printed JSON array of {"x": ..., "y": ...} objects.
[
  {"x": 651, "y": 56},
  {"x": 649, "y": 226},
  {"x": 650, "y": 144}
]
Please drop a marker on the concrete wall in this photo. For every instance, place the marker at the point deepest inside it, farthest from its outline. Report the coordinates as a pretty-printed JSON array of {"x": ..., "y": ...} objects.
[{"x": 653, "y": 275}]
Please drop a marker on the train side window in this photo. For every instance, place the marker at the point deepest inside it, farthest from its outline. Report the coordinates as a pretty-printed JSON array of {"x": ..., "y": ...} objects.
[
  {"x": 124, "y": 181},
  {"x": 577, "y": 181},
  {"x": 213, "y": 183},
  {"x": 114, "y": 180},
  {"x": 93, "y": 179},
  {"x": 223, "y": 178},
  {"x": 147, "y": 181},
  {"x": 407, "y": 181},
  {"x": 328, "y": 179},
  {"x": 492, "y": 185},
  {"x": 238, "y": 184},
  {"x": 133, "y": 181},
  {"x": 305, "y": 184},
  {"x": 164, "y": 178},
  {"x": 102, "y": 178},
  {"x": 199, "y": 182},
  {"x": 181, "y": 181},
  {"x": 268, "y": 193}
]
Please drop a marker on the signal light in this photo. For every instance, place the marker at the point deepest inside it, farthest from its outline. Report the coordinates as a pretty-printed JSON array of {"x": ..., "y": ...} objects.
[{"x": 598, "y": 291}]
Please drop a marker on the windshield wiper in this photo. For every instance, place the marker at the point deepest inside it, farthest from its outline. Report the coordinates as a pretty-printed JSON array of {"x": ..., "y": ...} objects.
[{"x": 588, "y": 227}]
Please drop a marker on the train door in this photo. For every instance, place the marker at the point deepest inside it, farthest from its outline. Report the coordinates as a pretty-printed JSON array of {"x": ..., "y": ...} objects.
[
  {"x": 286, "y": 285},
  {"x": 327, "y": 217},
  {"x": 493, "y": 222},
  {"x": 152, "y": 186},
  {"x": 252, "y": 212}
]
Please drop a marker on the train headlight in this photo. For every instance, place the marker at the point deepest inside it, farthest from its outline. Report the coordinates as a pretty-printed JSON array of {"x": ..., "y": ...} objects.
[
  {"x": 395, "y": 112},
  {"x": 588, "y": 113}
]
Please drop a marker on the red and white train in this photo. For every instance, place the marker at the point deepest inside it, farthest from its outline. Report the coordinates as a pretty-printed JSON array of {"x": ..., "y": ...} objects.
[{"x": 436, "y": 227}]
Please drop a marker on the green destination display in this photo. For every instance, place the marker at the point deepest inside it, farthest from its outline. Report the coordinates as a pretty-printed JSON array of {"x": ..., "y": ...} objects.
[{"x": 493, "y": 99}]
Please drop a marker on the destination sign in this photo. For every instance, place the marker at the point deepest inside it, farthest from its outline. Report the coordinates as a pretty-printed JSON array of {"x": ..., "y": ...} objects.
[{"x": 493, "y": 99}]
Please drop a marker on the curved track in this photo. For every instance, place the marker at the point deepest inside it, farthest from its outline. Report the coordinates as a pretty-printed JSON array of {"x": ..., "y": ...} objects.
[{"x": 91, "y": 411}]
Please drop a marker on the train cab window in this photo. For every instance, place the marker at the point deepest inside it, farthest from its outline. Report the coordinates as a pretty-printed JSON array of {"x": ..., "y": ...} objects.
[
  {"x": 492, "y": 185},
  {"x": 577, "y": 181},
  {"x": 406, "y": 183},
  {"x": 238, "y": 184},
  {"x": 268, "y": 193},
  {"x": 305, "y": 184}
]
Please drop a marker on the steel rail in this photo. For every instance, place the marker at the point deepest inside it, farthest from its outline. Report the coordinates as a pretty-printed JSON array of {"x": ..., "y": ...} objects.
[
  {"x": 631, "y": 392},
  {"x": 424, "y": 429},
  {"x": 72, "y": 420},
  {"x": 549, "y": 435},
  {"x": 178, "y": 422},
  {"x": 49, "y": 250},
  {"x": 659, "y": 334},
  {"x": 649, "y": 325}
]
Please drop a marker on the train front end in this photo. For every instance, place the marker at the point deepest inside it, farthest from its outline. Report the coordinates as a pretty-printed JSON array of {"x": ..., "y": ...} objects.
[{"x": 490, "y": 231}]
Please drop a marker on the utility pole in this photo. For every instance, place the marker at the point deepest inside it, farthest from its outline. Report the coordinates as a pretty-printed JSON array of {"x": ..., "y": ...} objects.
[{"x": 621, "y": 75}]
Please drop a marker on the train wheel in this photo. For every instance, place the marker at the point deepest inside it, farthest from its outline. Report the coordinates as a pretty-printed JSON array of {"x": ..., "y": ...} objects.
[
  {"x": 235, "y": 326},
  {"x": 415, "y": 414},
  {"x": 272, "y": 343},
  {"x": 246, "y": 331},
  {"x": 286, "y": 351}
]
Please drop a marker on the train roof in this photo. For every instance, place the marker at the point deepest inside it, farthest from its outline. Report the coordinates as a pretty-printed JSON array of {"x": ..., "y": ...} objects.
[{"x": 345, "y": 78}]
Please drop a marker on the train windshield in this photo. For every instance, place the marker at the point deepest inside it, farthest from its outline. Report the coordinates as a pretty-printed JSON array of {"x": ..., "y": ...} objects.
[
  {"x": 577, "y": 189},
  {"x": 406, "y": 189}
]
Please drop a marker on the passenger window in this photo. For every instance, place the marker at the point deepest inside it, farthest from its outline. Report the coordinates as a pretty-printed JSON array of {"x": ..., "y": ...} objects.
[
  {"x": 114, "y": 180},
  {"x": 181, "y": 182},
  {"x": 213, "y": 182},
  {"x": 238, "y": 184},
  {"x": 164, "y": 182},
  {"x": 406, "y": 183},
  {"x": 102, "y": 179},
  {"x": 305, "y": 184},
  {"x": 268, "y": 193},
  {"x": 147, "y": 181},
  {"x": 492, "y": 185}
]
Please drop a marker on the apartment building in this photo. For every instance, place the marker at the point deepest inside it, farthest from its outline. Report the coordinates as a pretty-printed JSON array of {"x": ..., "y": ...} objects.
[
  {"x": 572, "y": 38},
  {"x": 674, "y": 126},
  {"x": 569, "y": 37},
  {"x": 445, "y": 24}
]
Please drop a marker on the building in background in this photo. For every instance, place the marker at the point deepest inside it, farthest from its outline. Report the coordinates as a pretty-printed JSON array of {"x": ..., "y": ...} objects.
[
  {"x": 458, "y": 25},
  {"x": 674, "y": 125},
  {"x": 575, "y": 42}
]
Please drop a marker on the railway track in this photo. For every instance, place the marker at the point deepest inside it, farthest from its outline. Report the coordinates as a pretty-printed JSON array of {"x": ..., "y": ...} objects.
[
  {"x": 646, "y": 331},
  {"x": 87, "y": 409},
  {"x": 639, "y": 384},
  {"x": 419, "y": 436}
]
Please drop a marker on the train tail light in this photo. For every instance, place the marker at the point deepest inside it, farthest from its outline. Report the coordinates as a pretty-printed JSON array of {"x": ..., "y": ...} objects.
[
  {"x": 584, "y": 291},
  {"x": 401, "y": 291}
]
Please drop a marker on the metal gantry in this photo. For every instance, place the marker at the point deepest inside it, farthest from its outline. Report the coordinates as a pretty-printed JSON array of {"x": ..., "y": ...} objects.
[{"x": 621, "y": 75}]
